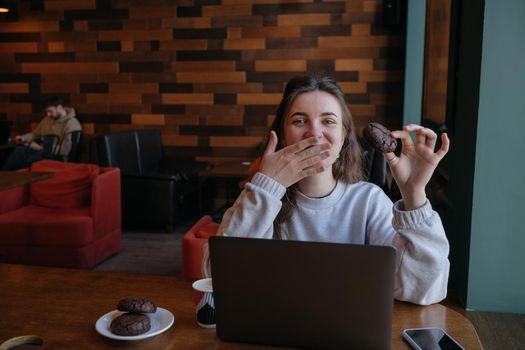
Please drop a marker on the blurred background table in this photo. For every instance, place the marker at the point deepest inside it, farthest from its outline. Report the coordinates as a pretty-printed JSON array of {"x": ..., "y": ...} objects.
[{"x": 10, "y": 179}]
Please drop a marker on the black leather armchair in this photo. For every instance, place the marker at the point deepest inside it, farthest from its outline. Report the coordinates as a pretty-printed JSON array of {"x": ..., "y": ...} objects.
[
  {"x": 155, "y": 190},
  {"x": 374, "y": 165}
]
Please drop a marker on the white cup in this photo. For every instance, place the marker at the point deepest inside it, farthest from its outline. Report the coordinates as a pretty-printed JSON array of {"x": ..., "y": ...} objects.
[{"x": 205, "y": 308}]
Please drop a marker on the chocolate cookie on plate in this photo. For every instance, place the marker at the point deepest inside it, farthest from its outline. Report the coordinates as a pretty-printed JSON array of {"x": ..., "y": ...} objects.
[
  {"x": 137, "y": 305},
  {"x": 129, "y": 324}
]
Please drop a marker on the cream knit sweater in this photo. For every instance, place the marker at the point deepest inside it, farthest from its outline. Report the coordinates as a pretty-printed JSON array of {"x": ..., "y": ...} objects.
[{"x": 353, "y": 213}]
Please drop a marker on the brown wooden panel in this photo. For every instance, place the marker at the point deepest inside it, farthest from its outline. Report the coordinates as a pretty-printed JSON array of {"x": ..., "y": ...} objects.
[
  {"x": 272, "y": 32},
  {"x": 361, "y": 29},
  {"x": 371, "y": 6},
  {"x": 69, "y": 67},
  {"x": 199, "y": 44},
  {"x": 353, "y": 87},
  {"x": 244, "y": 44},
  {"x": 152, "y": 12},
  {"x": 133, "y": 87},
  {"x": 359, "y": 41},
  {"x": 303, "y": 19},
  {"x": 229, "y": 87},
  {"x": 114, "y": 98},
  {"x": 29, "y": 26},
  {"x": 224, "y": 120},
  {"x": 280, "y": 65},
  {"x": 234, "y": 33},
  {"x": 13, "y": 88},
  {"x": 53, "y": 88},
  {"x": 80, "y": 46},
  {"x": 179, "y": 140},
  {"x": 436, "y": 61},
  {"x": 81, "y": 26},
  {"x": 362, "y": 110},
  {"x": 199, "y": 68},
  {"x": 18, "y": 47},
  {"x": 354, "y": 64},
  {"x": 127, "y": 108},
  {"x": 88, "y": 128},
  {"x": 127, "y": 46},
  {"x": 147, "y": 119},
  {"x": 191, "y": 99},
  {"x": 159, "y": 34},
  {"x": 198, "y": 22},
  {"x": 203, "y": 66},
  {"x": 211, "y": 77},
  {"x": 216, "y": 110},
  {"x": 15, "y": 108},
  {"x": 345, "y": 53},
  {"x": 237, "y": 21},
  {"x": 376, "y": 76},
  {"x": 241, "y": 9},
  {"x": 174, "y": 119},
  {"x": 236, "y": 2},
  {"x": 60, "y": 5},
  {"x": 235, "y": 141},
  {"x": 259, "y": 99}
]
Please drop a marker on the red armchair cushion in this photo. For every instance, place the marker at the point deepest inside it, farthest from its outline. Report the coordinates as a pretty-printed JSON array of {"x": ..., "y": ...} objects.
[
  {"x": 207, "y": 231},
  {"x": 69, "y": 188},
  {"x": 39, "y": 226}
]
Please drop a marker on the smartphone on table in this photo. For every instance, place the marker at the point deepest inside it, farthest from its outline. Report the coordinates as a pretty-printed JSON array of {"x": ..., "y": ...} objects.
[{"x": 430, "y": 338}]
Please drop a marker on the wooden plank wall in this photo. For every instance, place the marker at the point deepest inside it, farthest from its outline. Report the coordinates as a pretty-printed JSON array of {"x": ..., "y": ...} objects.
[{"x": 209, "y": 73}]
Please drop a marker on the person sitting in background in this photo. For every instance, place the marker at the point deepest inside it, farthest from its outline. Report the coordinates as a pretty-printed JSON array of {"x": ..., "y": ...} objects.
[
  {"x": 59, "y": 121},
  {"x": 309, "y": 187}
]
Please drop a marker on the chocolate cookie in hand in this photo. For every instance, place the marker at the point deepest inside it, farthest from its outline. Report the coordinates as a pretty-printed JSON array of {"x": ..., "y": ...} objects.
[
  {"x": 380, "y": 138},
  {"x": 129, "y": 324},
  {"x": 144, "y": 306}
]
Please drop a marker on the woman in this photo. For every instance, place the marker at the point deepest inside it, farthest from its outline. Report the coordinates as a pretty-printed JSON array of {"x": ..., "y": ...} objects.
[{"x": 309, "y": 187}]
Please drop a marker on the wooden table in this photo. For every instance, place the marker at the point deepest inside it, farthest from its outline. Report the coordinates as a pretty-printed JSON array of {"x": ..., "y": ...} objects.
[
  {"x": 62, "y": 306},
  {"x": 10, "y": 179},
  {"x": 228, "y": 170},
  {"x": 233, "y": 173}
]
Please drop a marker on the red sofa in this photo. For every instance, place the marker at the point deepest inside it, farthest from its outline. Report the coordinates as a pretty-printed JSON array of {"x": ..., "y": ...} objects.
[
  {"x": 70, "y": 220},
  {"x": 192, "y": 244}
]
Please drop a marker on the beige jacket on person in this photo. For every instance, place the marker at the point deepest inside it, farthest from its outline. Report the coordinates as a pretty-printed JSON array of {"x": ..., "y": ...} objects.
[{"x": 61, "y": 127}]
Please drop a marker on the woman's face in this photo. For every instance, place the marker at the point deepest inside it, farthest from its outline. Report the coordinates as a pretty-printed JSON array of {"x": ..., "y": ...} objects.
[{"x": 316, "y": 113}]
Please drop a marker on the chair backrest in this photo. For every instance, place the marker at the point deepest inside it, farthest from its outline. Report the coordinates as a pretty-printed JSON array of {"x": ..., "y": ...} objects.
[
  {"x": 5, "y": 130},
  {"x": 75, "y": 143},
  {"x": 48, "y": 142},
  {"x": 150, "y": 150},
  {"x": 118, "y": 150},
  {"x": 374, "y": 165},
  {"x": 134, "y": 152}
]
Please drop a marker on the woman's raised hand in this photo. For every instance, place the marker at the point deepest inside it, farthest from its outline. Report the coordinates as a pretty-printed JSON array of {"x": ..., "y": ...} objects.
[
  {"x": 295, "y": 162},
  {"x": 415, "y": 165}
]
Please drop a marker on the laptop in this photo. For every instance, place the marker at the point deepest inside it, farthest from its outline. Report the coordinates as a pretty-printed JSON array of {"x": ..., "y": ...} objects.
[{"x": 303, "y": 294}]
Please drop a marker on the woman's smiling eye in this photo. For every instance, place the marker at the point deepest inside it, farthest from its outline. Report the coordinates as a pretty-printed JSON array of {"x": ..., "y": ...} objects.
[
  {"x": 329, "y": 121},
  {"x": 299, "y": 121}
]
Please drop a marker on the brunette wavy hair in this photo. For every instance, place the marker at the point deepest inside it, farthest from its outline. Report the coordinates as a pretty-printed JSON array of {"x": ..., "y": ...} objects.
[{"x": 348, "y": 166}]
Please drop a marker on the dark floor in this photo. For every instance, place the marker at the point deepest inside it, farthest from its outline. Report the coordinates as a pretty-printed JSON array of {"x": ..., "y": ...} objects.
[{"x": 157, "y": 252}]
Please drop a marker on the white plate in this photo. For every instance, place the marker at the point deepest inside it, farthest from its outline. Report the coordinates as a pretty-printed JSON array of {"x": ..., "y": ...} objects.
[
  {"x": 203, "y": 285},
  {"x": 160, "y": 322}
]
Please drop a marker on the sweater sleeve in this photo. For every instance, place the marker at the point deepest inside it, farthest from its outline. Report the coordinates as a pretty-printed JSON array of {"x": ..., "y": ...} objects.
[
  {"x": 253, "y": 213},
  {"x": 422, "y": 255}
]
